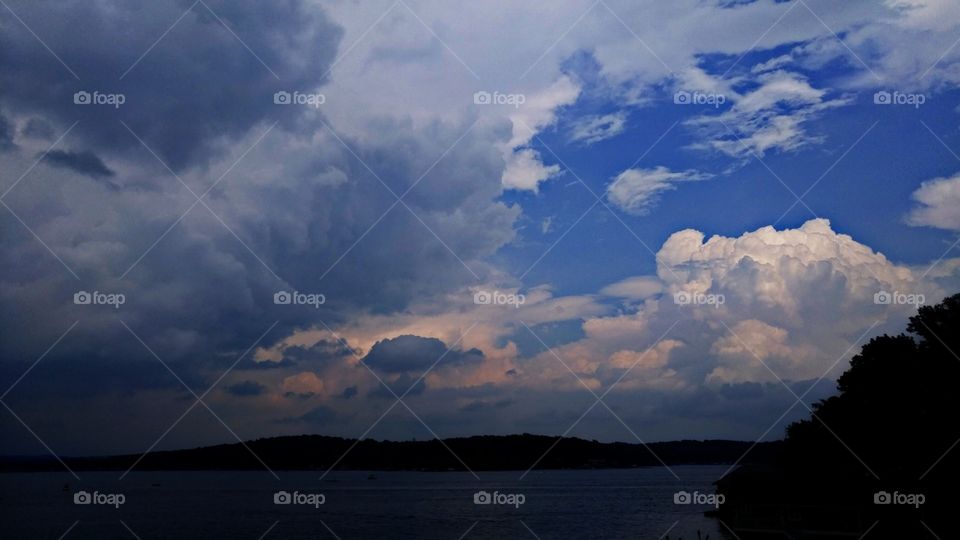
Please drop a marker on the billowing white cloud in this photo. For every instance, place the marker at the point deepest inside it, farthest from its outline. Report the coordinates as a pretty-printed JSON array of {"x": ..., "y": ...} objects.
[
  {"x": 753, "y": 350},
  {"x": 801, "y": 288},
  {"x": 635, "y": 190},
  {"x": 648, "y": 369},
  {"x": 791, "y": 273},
  {"x": 939, "y": 201},
  {"x": 795, "y": 302}
]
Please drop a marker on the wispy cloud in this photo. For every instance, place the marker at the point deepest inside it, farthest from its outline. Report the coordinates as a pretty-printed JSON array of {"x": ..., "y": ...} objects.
[
  {"x": 593, "y": 129},
  {"x": 635, "y": 191}
]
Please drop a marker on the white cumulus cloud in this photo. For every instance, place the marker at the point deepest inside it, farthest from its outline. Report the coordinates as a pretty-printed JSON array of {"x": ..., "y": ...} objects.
[{"x": 939, "y": 204}]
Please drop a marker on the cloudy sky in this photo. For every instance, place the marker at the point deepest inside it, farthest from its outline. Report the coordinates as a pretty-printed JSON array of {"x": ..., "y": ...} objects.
[{"x": 407, "y": 219}]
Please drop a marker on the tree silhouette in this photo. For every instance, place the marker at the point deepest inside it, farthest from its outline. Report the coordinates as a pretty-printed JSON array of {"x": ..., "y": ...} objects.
[
  {"x": 898, "y": 407},
  {"x": 894, "y": 426}
]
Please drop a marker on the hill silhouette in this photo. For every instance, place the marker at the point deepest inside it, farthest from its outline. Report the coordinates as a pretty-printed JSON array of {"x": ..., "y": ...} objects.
[
  {"x": 892, "y": 429},
  {"x": 511, "y": 452}
]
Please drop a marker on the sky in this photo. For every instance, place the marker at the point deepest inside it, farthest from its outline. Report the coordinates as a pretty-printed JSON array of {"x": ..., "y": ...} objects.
[{"x": 618, "y": 220}]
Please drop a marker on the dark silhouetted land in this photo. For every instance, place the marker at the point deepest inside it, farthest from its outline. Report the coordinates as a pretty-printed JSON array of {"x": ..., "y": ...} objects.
[
  {"x": 890, "y": 435},
  {"x": 511, "y": 452}
]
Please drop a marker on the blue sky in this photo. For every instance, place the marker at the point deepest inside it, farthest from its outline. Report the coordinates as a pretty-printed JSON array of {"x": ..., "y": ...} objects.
[
  {"x": 865, "y": 194},
  {"x": 279, "y": 191}
]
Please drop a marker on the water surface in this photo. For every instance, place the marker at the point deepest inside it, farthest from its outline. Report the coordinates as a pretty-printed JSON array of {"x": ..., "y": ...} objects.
[{"x": 632, "y": 503}]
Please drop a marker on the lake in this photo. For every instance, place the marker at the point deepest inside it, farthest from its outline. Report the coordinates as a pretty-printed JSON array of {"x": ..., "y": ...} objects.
[{"x": 628, "y": 503}]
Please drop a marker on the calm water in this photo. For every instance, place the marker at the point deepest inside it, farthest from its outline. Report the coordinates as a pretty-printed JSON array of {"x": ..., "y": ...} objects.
[{"x": 635, "y": 504}]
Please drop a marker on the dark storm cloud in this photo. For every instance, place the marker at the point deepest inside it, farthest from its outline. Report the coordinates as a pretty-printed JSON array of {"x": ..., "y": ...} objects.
[
  {"x": 246, "y": 388},
  {"x": 6, "y": 134},
  {"x": 75, "y": 372},
  {"x": 197, "y": 87},
  {"x": 320, "y": 353},
  {"x": 484, "y": 406},
  {"x": 658, "y": 415},
  {"x": 554, "y": 334},
  {"x": 318, "y": 415},
  {"x": 198, "y": 297},
  {"x": 263, "y": 365},
  {"x": 404, "y": 359},
  {"x": 745, "y": 390},
  {"x": 735, "y": 408},
  {"x": 37, "y": 128},
  {"x": 415, "y": 353},
  {"x": 406, "y": 383},
  {"x": 86, "y": 163}
]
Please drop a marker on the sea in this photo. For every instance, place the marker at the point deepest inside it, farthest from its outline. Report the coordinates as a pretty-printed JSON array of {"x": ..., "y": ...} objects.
[{"x": 642, "y": 503}]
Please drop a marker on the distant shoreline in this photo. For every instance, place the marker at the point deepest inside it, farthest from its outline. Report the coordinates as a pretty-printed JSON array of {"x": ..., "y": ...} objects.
[{"x": 480, "y": 453}]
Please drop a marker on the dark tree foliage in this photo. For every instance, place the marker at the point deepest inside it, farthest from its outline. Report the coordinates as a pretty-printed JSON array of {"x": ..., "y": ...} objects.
[
  {"x": 898, "y": 410},
  {"x": 893, "y": 427}
]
